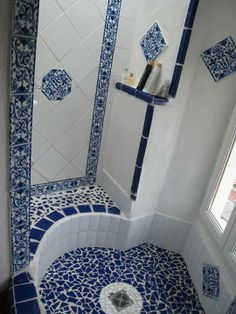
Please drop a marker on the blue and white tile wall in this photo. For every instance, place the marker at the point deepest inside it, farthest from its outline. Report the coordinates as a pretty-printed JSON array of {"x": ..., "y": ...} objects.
[{"x": 22, "y": 88}]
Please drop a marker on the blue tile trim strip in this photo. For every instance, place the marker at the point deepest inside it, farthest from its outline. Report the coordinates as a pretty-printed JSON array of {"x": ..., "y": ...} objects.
[
  {"x": 211, "y": 281},
  {"x": 192, "y": 10},
  {"x": 148, "y": 98},
  {"x": 183, "y": 46},
  {"x": 23, "y": 49},
  {"x": 175, "y": 80}
]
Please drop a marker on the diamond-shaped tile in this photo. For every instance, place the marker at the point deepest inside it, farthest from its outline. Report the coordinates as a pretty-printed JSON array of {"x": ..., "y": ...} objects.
[
  {"x": 56, "y": 84},
  {"x": 153, "y": 42},
  {"x": 211, "y": 281},
  {"x": 221, "y": 58}
]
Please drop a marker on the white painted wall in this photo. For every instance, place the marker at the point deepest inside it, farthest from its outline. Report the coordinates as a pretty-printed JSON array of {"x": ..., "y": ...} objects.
[{"x": 5, "y": 261}]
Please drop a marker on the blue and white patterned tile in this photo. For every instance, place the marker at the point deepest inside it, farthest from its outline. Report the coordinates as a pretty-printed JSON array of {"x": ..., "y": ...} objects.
[
  {"x": 232, "y": 308},
  {"x": 22, "y": 67},
  {"x": 153, "y": 42},
  {"x": 19, "y": 198},
  {"x": 20, "y": 246},
  {"x": 221, "y": 58},
  {"x": 26, "y": 17},
  {"x": 56, "y": 84},
  {"x": 20, "y": 166},
  {"x": 81, "y": 284},
  {"x": 211, "y": 281},
  {"x": 21, "y": 119}
]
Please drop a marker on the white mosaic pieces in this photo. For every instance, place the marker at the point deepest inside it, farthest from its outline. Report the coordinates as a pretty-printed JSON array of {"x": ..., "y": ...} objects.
[{"x": 133, "y": 294}]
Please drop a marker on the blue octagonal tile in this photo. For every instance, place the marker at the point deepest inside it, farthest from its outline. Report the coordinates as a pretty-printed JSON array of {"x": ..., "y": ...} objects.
[{"x": 56, "y": 84}]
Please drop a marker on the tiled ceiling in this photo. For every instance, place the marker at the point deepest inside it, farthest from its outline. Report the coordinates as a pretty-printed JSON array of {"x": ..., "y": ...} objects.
[{"x": 70, "y": 38}]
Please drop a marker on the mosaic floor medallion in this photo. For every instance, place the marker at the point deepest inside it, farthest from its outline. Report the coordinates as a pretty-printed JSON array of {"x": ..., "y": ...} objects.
[{"x": 120, "y": 298}]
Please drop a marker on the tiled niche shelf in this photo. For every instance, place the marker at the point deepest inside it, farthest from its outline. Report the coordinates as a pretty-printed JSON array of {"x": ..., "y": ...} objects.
[{"x": 148, "y": 98}]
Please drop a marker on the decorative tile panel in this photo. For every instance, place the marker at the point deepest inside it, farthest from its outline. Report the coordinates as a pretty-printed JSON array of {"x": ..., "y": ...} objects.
[
  {"x": 21, "y": 119},
  {"x": 221, "y": 58},
  {"x": 22, "y": 66},
  {"x": 211, "y": 281},
  {"x": 26, "y": 17},
  {"x": 56, "y": 84},
  {"x": 153, "y": 42}
]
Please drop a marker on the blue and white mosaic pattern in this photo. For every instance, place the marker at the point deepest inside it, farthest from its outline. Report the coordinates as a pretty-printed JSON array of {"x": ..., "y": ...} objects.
[
  {"x": 211, "y": 281},
  {"x": 56, "y": 84},
  {"x": 74, "y": 282},
  {"x": 232, "y": 308},
  {"x": 221, "y": 58},
  {"x": 153, "y": 42}
]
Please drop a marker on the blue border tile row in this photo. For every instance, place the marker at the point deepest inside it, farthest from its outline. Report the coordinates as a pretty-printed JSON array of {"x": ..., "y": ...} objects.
[
  {"x": 183, "y": 47},
  {"x": 23, "y": 295},
  {"x": 23, "y": 50},
  {"x": 40, "y": 228}
]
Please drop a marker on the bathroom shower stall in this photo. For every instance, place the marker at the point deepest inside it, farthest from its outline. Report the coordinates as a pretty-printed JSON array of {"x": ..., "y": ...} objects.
[{"x": 95, "y": 227}]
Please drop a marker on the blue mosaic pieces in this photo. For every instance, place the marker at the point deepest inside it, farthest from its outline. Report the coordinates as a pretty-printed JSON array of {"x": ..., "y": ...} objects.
[
  {"x": 114, "y": 211},
  {"x": 160, "y": 276},
  {"x": 44, "y": 224},
  {"x": 28, "y": 307},
  {"x": 69, "y": 211},
  {"x": 99, "y": 208},
  {"x": 232, "y": 308},
  {"x": 56, "y": 84},
  {"x": 153, "y": 42},
  {"x": 24, "y": 292},
  {"x": 84, "y": 209},
  {"x": 211, "y": 281},
  {"x": 221, "y": 58}
]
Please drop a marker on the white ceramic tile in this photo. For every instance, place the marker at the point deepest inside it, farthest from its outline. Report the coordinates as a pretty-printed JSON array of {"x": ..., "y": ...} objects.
[
  {"x": 74, "y": 106},
  {"x": 49, "y": 11},
  {"x": 121, "y": 61},
  {"x": 53, "y": 126},
  {"x": 66, "y": 4},
  {"x": 124, "y": 227},
  {"x": 83, "y": 223},
  {"x": 39, "y": 146},
  {"x": 91, "y": 238},
  {"x": 74, "y": 227},
  {"x": 94, "y": 42},
  {"x": 101, "y": 239},
  {"x": 80, "y": 160},
  {"x": 101, "y": 6},
  {"x": 65, "y": 228},
  {"x": 88, "y": 85},
  {"x": 111, "y": 240},
  {"x": 131, "y": 8},
  {"x": 68, "y": 172},
  {"x": 36, "y": 178},
  {"x": 42, "y": 106},
  {"x": 85, "y": 17},
  {"x": 60, "y": 37},
  {"x": 184, "y": 230},
  {"x": 94, "y": 223},
  {"x": 125, "y": 35},
  {"x": 50, "y": 164},
  {"x": 120, "y": 242},
  {"x": 83, "y": 126},
  {"x": 104, "y": 223},
  {"x": 81, "y": 239},
  {"x": 114, "y": 224},
  {"x": 79, "y": 63},
  {"x": 72, "y": 242},
  {"x": 71, "y": 143},
  {"x": 112, "y": 88},
  {"x": 45, "y": 60}
]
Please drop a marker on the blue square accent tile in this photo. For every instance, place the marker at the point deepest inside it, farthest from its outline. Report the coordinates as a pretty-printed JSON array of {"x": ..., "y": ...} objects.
[
  {"x": 192, "y": 10},
  {"x": 56, "y": 84},
  {"x": 183, "y": 46},
  {"x": 20, "y": 166},
  {"x": 36, "y": 234},
  {"x": 221, "y": 58},
  {"x": 26, "y": 17},
  {"x": 22, "y": 278},
  {"x": 84, "y": 209},
  {"x": 21, "y": 119},
  {"x": 24, "y": 292},
  {"x": 141, "y": 152},
  {"x": 22, "y": 67},
  {"x": 69, "y": 211},
  {"x": 211, "y": 281},
  {"x": 153, "y": 42},
  {"x": 55, "y": 216},
  {"x": 44, "y": 224},
  {"x": 136, "y": 178},
  {"x": 175, "y": 80},
  {"x": 29, "y": 307},
  {"x": 232, "y": 308},
  {"x": 114, "y": 210},
  {"x": 148, "y": 120},
  {"x": 33, "y": 247},
  {"x": 99, "y": 208}
]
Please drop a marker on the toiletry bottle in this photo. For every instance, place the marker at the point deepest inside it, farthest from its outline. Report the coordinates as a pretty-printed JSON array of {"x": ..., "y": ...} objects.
[
  {"x": 164, "y": 90},
  {"x": 152, "y": 82},
  {"x": 131, "y": 79},
  {"x": 125, "y": 76},
  {"x": 145, "y": 76}
]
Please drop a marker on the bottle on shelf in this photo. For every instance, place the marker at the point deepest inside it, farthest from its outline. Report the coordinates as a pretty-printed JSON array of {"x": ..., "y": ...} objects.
[
  {"x": 152, "y": 82},
  {"x": 145, "y": 75},
  {"x": 125, "y": 76}
]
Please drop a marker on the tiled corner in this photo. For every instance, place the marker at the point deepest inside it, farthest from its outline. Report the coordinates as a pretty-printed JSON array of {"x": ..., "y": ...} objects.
[
  {"x": 211, "y": 281},
  {"x": 153, "y": 42},
  {"x": 221, "y": 58},
  {"x": 56, "y": 84}
]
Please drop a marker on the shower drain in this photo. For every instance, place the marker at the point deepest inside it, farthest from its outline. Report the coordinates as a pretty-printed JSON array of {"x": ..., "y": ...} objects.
[
  {"x": 120, "y": 300},
  {"x": 120, "y": 297}
]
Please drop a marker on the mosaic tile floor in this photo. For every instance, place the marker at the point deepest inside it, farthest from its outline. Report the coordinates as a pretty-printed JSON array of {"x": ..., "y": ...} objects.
[
  {"x": 43, "y": 205},
  {"x": 73, "y": 283}
]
